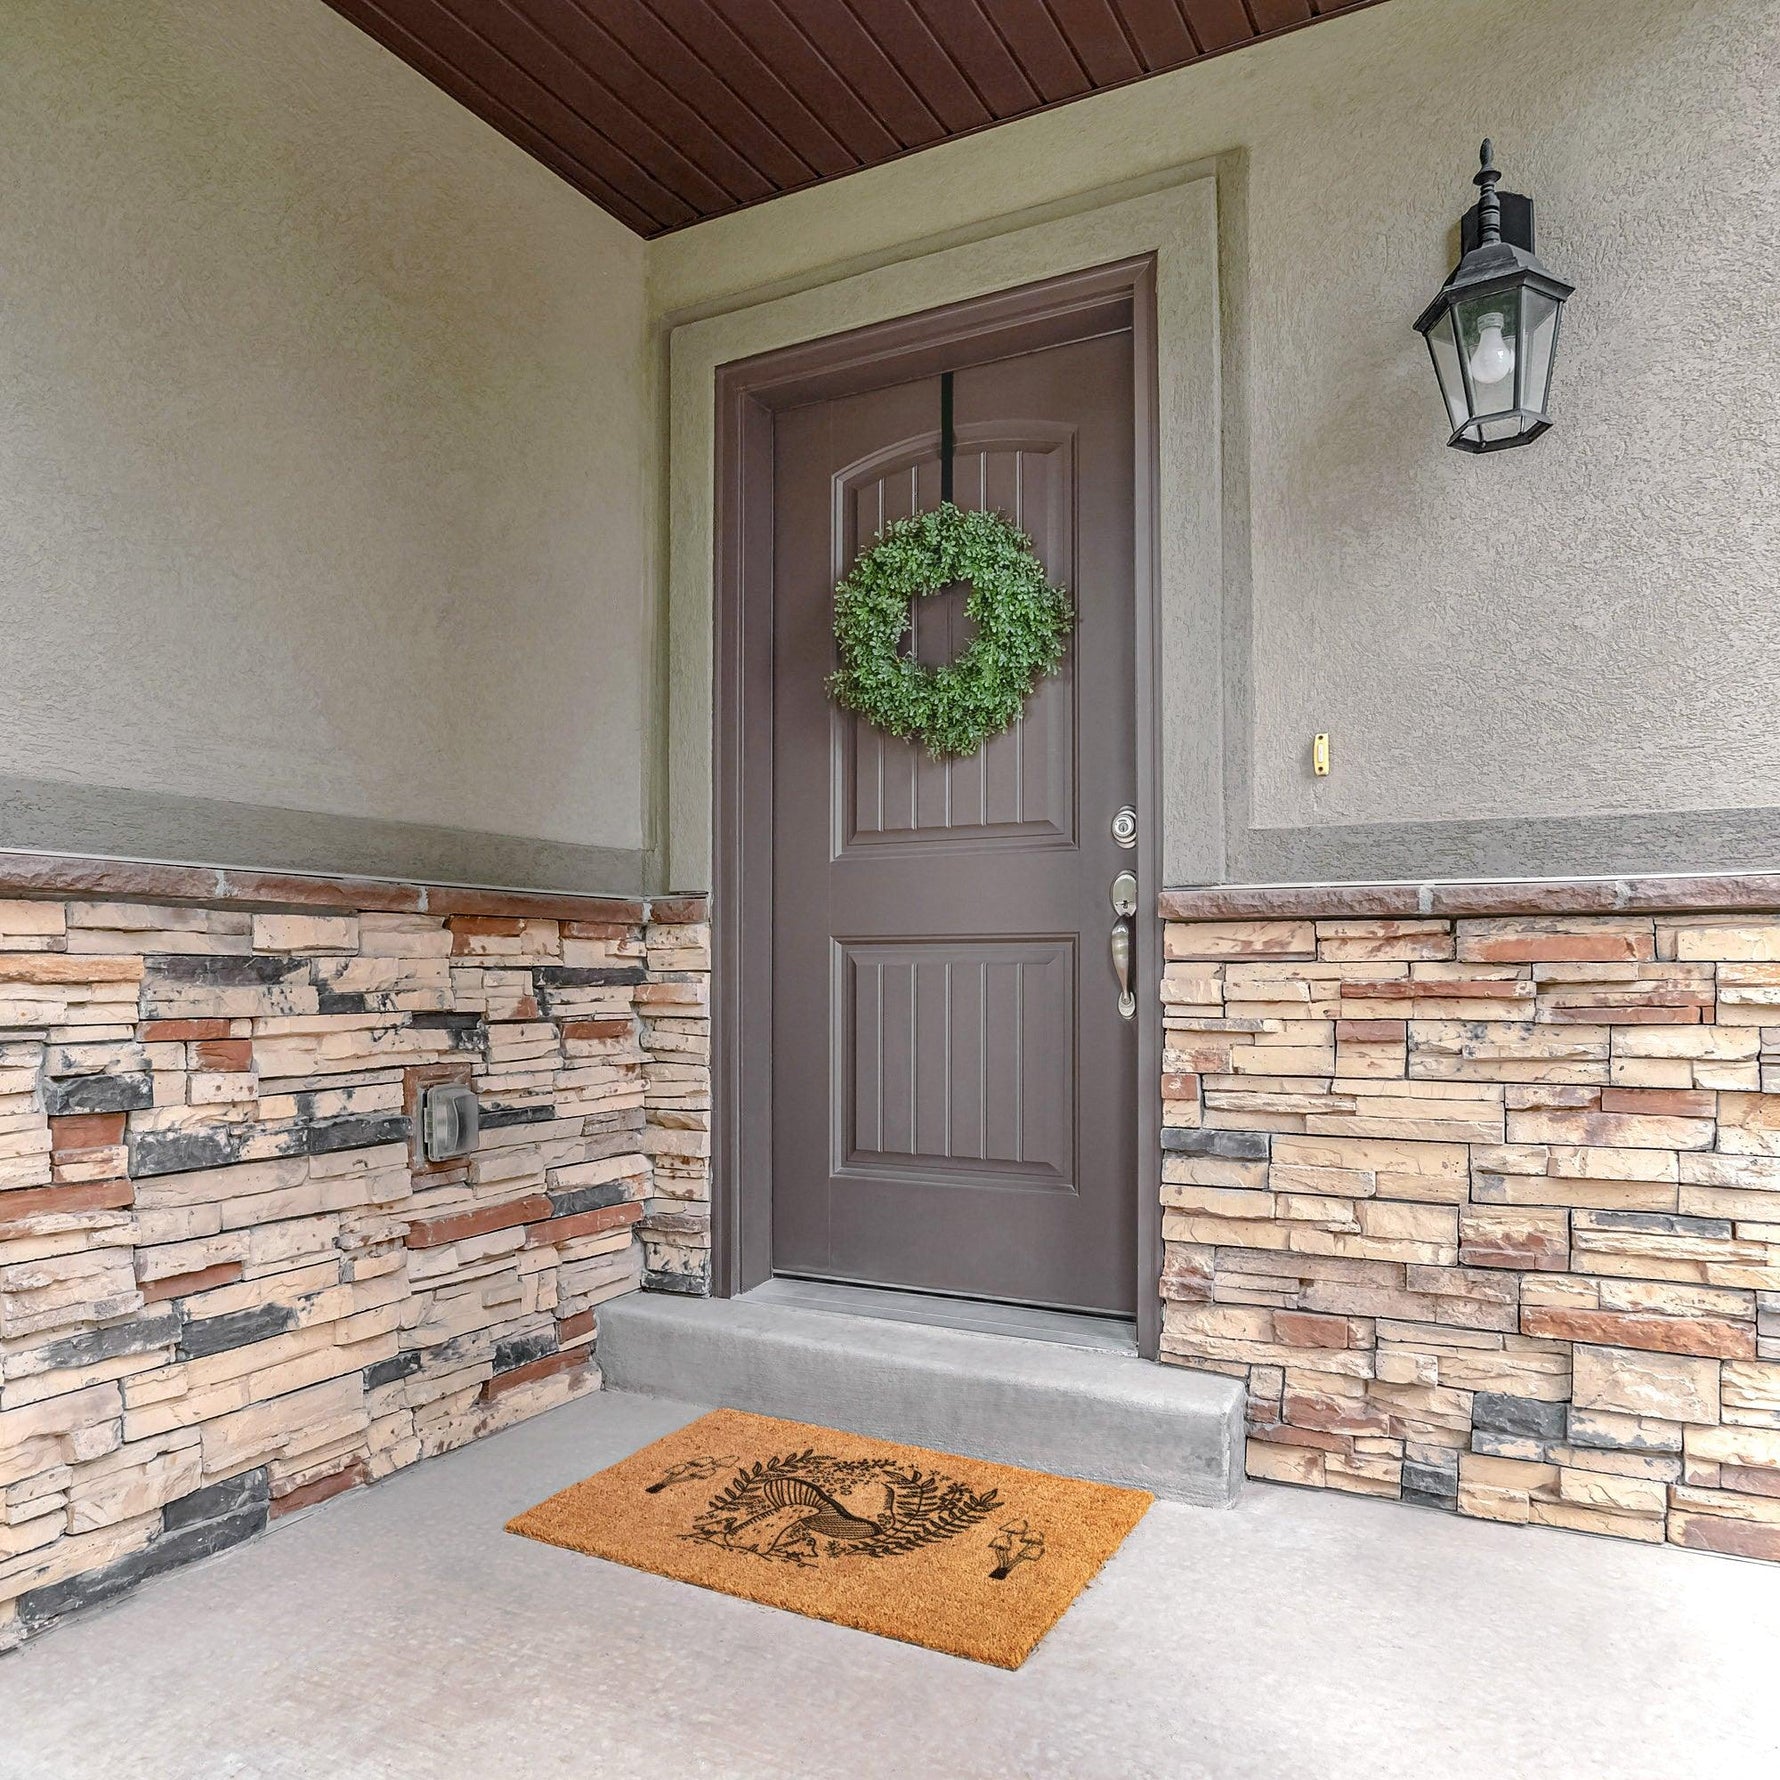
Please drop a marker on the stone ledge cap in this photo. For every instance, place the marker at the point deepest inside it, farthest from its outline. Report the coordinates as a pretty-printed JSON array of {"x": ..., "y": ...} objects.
[
  {"x": 46, "y": 875},
  {"x": 1678, "y": 893}
]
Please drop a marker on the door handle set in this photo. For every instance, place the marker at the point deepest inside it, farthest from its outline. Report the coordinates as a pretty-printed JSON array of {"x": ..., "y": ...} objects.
[{"x": 1124, "y": 902}]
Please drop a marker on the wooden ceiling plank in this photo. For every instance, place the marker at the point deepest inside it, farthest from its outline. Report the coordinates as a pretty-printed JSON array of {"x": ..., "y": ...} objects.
[
  {"x": 1219, "y": 24},
  {"x": 426, "y": 34},
  {"x": 610, "y": 64},
  {"x": 1280, "y": 15},
  {"x": 879, "y": 71},
  {"x": 709, "y": 36},
  {"x": 653, "y": 45},
  {"x": 494, "y": 69},
  {"x": 668, "y": 112},
  {"x": 1099, "y": 43},
  {"x": 772, "y": 35},
  {"x": 945, "y": 86},
  {"x": 591, "y": 98},
  {"x": 1162, "y": 32},
  {"x": 1037, "y": 42},
  {"x": 971, "y": 44}
]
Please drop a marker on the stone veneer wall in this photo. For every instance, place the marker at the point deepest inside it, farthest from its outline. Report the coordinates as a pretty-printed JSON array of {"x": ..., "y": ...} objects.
[
  {"x": 228, "y": 1289},
  {"x": 1486, "y": 1208}
]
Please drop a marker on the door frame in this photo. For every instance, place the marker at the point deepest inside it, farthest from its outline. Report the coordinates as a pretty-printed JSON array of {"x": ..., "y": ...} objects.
[{"x": 1051, "y": 312}]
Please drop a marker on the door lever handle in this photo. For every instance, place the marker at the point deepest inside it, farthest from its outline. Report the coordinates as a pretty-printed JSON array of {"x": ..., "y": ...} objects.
[
  {"x": 1124, "y": 902},
  {"x": 1121, "y": 962}
]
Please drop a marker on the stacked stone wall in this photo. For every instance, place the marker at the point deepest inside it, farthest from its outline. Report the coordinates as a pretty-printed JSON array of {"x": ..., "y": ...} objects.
[
  {"x": 1486, "y": 1211},
  {"x": 231, "y": 1286}
]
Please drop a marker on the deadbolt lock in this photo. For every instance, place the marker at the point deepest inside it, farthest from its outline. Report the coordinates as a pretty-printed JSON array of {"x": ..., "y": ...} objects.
[{"x": 1124, "y": 826}]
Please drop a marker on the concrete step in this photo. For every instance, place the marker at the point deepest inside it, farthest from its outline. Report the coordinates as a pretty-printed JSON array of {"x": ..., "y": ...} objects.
[{"x": 1111, "y": 1417}]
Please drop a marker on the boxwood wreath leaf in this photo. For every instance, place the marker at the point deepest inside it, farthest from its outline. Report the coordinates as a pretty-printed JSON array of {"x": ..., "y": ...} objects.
[{"x": 1023, "y": 624}]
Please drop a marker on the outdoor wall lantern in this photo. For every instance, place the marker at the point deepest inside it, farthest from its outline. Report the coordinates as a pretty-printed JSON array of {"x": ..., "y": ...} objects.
[{"x": 1492, "y": 332}]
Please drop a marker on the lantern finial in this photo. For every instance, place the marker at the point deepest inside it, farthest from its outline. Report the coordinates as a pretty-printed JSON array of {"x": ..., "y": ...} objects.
[{"x": 1489, "y": 206}]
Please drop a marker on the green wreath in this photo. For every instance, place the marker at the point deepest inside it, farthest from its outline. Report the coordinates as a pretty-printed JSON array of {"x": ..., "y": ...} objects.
[{"x": 1022, "y": 625}]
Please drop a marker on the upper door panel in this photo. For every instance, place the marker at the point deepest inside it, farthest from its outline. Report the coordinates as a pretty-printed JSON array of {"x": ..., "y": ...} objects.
[{"x": 1019, "y": 789}]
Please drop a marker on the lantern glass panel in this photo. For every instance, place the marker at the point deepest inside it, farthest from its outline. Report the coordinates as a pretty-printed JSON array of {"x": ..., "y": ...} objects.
[
  {"x": 1539, "y": 331},
  {"x": 1444, "y": 346},
  {"x": 1489, "y": 336},
  {"x": 1505, "y": 426}
]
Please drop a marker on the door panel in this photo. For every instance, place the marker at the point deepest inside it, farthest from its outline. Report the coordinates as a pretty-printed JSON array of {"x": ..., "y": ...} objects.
[
  {"x": 955, "y": 1100},
  {"x": 958, "y": 1060},
  {"x": 1020, "y": 785}
]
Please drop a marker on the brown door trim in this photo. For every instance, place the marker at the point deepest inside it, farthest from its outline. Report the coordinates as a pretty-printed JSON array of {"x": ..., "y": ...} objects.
[{"x": 1075, "y": 306}]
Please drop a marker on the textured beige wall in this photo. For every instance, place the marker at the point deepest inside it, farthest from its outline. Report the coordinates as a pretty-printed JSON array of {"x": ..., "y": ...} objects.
[
  {"x": 319, "y": 446},
  {"x": 1589, "y": 626}
]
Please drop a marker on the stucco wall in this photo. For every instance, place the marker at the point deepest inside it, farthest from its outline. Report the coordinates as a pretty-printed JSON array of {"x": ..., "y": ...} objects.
[
  {"x": 1585, "y": 632},
  {"x": 319, "y": 467}
]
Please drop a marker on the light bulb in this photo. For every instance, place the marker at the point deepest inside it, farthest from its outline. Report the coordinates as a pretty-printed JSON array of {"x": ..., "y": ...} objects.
[{"x": 1493, "y": 357}]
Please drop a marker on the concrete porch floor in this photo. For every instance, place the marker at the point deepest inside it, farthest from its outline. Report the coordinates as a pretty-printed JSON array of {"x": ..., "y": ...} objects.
[{"x": 399, "y": 1632}]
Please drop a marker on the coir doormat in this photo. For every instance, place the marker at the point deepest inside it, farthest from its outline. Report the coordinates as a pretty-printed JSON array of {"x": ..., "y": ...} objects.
[{"x": 974, "y": 1559}]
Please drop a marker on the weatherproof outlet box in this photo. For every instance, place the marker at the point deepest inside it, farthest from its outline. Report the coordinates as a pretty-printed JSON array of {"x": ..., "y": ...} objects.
[{"x": 448, "y": 1120}]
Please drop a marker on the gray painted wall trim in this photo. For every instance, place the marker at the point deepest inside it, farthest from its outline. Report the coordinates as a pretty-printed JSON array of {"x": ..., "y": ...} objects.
[
  {"x": 1662, "y": 841},
  {"x": 113, "y": 822}
]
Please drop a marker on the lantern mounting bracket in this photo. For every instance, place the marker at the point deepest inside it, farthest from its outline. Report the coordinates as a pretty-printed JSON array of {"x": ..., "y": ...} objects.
[{"x": 1517, "y": 224}]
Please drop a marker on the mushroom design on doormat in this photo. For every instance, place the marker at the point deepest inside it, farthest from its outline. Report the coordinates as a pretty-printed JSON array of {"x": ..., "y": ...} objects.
[
  {"x": 805, "y": 1507},
  {"x": 1015, "y": 1544}
]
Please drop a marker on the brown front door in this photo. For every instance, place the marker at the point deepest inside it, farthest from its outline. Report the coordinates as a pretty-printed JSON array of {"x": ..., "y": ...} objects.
[{"x": 955, "y": 1098}]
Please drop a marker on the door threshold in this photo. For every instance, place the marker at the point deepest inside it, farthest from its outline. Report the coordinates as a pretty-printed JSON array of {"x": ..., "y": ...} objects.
[{"x": 1066, "y": 1328}]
